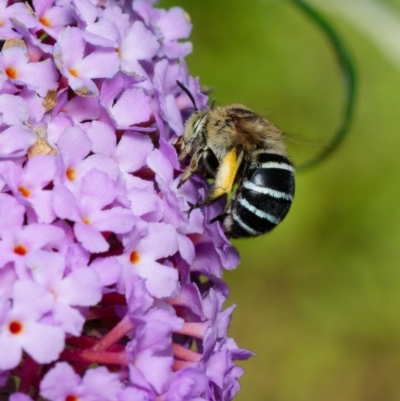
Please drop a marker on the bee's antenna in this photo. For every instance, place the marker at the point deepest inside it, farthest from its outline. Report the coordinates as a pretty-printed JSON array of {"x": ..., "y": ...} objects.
[{"x": 186, "y": 90}]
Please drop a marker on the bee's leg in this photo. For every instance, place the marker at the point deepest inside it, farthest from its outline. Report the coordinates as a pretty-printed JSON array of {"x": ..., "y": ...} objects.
[
  {"x": 185, "y": 176},
  {"x": 220, "y": 217},
  {"x": 192, "y": 168},
  {"x": 225, "y": 178}
]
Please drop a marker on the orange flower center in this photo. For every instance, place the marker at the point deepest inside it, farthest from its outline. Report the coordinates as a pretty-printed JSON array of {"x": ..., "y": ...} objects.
[
  {"x": 15, "y": 327},
  {"x": 11, "y": 72},
  {"x": 45, "y": 21},
  {"x": 20, "y": 250},
  {"x": 71, "y": 398},
  {"x": 74, "y": 72},
  {"x": 86, "y": 220},
  {"x": 24, "y": 191},
  {"x": 71, "y": 173},
  {"x": 134, "y": 258}
]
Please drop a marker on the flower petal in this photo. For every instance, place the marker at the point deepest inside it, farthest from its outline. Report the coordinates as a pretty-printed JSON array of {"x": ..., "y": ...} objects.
[
  {"x": 133, "y": 107},
  {"x": 82, "y": 287},
  {"x": 99, "y": 64},
  {"x": 58, "y": 382},
  {"x": 117, "y": 220},
  {"x": 11, "y": 358},
  {"x": 139, "y": 43},
  {"x": 90, "y": 238},
  {"x": 133, "y": 143},
  {"x": 44, "y": 343}
]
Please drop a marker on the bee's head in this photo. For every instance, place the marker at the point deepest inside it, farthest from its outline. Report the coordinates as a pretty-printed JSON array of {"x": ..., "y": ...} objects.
[
  {"x": 196, "y": 123},
  {"x": 195, "y": 126}
]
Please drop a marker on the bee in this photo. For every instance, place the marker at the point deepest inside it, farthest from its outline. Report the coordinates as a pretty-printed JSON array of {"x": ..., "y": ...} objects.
[{"x": 235, "y": 146}]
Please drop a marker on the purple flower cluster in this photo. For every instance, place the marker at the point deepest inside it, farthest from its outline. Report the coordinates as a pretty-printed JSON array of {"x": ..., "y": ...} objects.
[{"x": 109, "y": 290}]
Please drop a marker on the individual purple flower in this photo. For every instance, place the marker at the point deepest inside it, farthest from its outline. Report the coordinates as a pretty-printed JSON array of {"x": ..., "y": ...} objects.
[
  {"x": 10, "y": 14},
  {"x": 52, "y": 19},
  {"x": 15, "y": 65},
  {"x": 81, "y": 287},
  {"x": 80, "y": 68},
  {"x": 100, "y": 263},
  {"x": 62, "y": 383},
  {"x": 21, "y": 329},
  {"x": 117, "y": 97},
  {"x": 19, "y": 241},
  {"x": 141, "y": 258},
  {"x": 137, "y": 43},
  {"x": 170, "y": 26},
  {"x": 90, "y": 210},
  {"x": 132, "y": 42},
  {"x": 27, "y": 184},
  {"x": 75, "y": 146}
]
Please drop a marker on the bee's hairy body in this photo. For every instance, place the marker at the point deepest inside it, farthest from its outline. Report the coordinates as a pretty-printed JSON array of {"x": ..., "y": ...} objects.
[{"x": 234, "y": 145}]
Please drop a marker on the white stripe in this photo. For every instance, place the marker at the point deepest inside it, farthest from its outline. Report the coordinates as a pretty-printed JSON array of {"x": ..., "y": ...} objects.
[
  {"x": 245, "y": 227},
  {"x": 268, "y": 191},
  {"x": 282, "y": 166},
  {"x": 263, "y": 215}
]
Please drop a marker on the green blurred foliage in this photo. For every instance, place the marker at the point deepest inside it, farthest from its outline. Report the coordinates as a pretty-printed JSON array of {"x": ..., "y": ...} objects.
[{"x": 318, "y": 299}]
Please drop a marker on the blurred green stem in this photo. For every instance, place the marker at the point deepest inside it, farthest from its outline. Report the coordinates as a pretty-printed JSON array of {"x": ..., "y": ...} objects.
[{"x": 349, "y": 79}]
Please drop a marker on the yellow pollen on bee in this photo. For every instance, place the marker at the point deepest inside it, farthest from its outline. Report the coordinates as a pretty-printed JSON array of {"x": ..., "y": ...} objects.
[
  {"x": 11, "y": 72},
  {"x": 45, "y": 21},
  {"x": 86, "y": 220},
  {"x": 134, "y": 257},
  {"x": 15, "y": 327},
  {"x": 70, "y": 173},
  {"x": 24, "y": 191},
  {"x": 21, "y": 250},
  {"x": 226, "y": 175},
  {"x": 73, "y": 72}
]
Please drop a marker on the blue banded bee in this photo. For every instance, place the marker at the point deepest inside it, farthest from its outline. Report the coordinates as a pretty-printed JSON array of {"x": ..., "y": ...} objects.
[{"x": 233, "y": 145}]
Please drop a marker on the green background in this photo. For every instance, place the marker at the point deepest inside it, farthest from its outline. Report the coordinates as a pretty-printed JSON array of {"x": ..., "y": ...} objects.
[{"x": 318, "y": 299}]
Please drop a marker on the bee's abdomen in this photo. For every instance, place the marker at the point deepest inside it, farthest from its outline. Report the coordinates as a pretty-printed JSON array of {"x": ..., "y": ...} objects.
[{"x": 263, "y": 198}]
